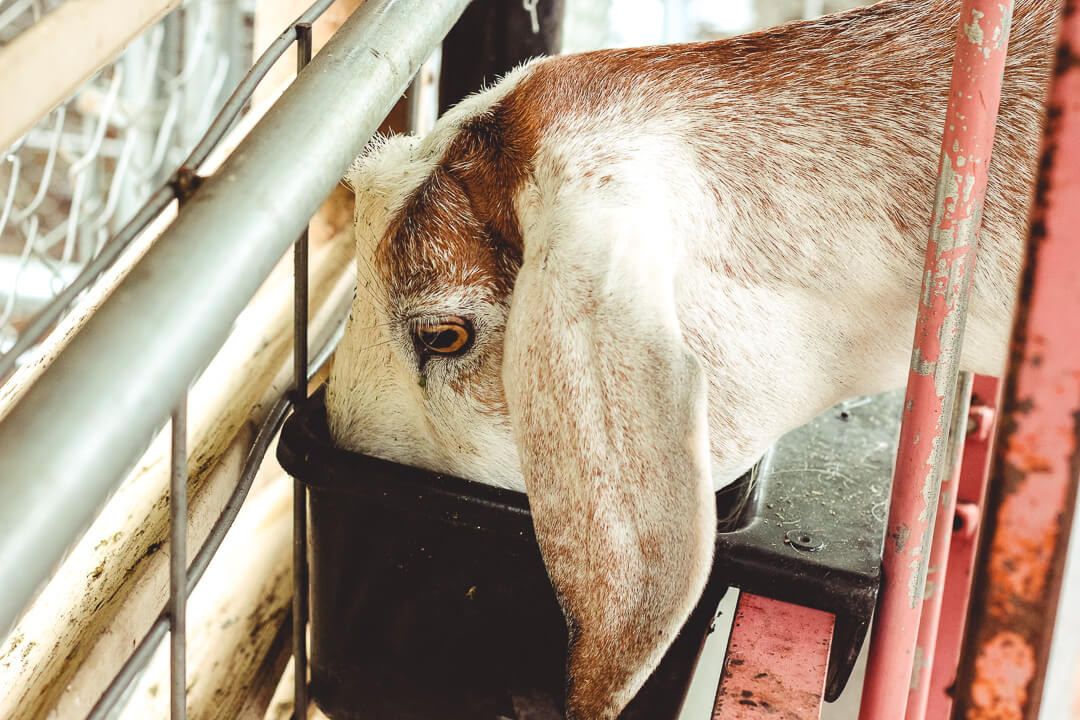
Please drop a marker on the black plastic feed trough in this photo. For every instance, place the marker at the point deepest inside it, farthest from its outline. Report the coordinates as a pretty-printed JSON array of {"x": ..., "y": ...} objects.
[{"x": 429, "y": 598}]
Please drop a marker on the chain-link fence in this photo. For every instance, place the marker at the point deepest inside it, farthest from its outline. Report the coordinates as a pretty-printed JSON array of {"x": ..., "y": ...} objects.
[{"x": 90, "y": 163}]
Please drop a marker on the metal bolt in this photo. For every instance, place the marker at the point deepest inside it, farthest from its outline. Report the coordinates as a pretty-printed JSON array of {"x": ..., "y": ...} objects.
[{"x": 802, "y": 540}]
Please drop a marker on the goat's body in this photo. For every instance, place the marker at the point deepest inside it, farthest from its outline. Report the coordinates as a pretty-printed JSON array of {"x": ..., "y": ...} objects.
[
  {"x": 802, "y": 190},
  {"x": 796, "y": 167},
  {"x": 662, "y": 258}
]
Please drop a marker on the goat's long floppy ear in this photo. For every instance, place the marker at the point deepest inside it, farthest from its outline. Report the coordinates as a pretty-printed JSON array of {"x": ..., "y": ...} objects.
[{"x": 608, "y": 407}]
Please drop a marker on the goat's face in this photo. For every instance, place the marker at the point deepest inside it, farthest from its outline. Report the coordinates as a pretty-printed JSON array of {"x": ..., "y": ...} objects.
[{"x": 417, "y": 378}]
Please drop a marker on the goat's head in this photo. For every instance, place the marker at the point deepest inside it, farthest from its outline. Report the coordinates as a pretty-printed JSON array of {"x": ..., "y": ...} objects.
[{"x": 530, "y": 340}]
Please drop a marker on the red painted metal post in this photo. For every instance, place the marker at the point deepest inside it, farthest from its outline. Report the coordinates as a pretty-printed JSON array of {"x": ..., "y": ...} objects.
[
  {"x": 974, "y": 472},
  {"x": 777, "y": 659},
  {"x": 1033, "y": 485},
  {"x": 933, "y": 596},
  {"x": 982, "y": 39}
]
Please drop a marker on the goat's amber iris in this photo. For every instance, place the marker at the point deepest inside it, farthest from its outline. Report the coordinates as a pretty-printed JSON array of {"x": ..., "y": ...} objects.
[{"x": 447, "y": 336}]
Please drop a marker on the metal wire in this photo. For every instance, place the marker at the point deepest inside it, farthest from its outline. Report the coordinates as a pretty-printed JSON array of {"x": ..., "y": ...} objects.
[
  {"x": 110, "y": 252},
  {"x": 265, "y": 436},
  {"x": 300, "y": 363},
  {"x": 178, "y": 507}
]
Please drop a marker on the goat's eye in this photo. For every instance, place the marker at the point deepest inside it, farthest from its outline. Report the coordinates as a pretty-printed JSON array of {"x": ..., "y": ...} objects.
[{"x": 447, "y": 336}]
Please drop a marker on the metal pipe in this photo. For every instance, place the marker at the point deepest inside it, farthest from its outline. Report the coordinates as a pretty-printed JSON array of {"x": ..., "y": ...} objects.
[
  {"x": 90, "y": 415},
  {"x": 1031, "y": 499},
  {"x": 970, "y": 496},
  {"x": 974, "y": 95},
  {"x": 178, "y": 505},
  {"x": 422, "y": 100},
  {"x": 300, "y": 382},
  {"x": 934, "y": 595}
]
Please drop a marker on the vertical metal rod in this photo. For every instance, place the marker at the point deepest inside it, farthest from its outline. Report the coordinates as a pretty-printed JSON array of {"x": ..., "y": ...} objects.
[
  {"x": 970, "y": 498},
  {"x": 422, "y": 98},
  {"x": 300, "y": 368},
  {"x": 1032, "y": 494},
  {"x": 934, "y": 595},
  {"x": 974, "y": 95},
  {"x": 178, "y": 564},
  {"x": 178, "y": 510},
  {"x": 300, "y": 255}
]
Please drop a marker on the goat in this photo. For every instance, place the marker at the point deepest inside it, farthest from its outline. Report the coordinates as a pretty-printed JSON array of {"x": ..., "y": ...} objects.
[{"x": 614, "y": 279}]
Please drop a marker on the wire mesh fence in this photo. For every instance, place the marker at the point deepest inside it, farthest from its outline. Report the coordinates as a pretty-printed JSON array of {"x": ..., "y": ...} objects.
[{"x": 84, "y": 170}]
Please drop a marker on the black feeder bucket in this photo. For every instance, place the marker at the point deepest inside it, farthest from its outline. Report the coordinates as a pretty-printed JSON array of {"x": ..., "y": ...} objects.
[{"x": 429, "y": 598}]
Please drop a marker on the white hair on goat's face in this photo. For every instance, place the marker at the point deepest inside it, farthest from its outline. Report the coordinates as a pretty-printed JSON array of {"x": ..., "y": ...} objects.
[{"x": 387, "y": 396}]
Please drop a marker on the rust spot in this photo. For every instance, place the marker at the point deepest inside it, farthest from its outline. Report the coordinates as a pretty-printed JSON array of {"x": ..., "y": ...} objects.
[
  {"x": 1003, "y": 669},
  {"x": 900, "y": 537}
]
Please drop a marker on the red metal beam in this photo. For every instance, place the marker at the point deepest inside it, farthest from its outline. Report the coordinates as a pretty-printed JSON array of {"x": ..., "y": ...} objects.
[
  {"x": 777, "y": 659},
  {"x": 982, "y": 39},
  {"x": 1037, "y": 454}
]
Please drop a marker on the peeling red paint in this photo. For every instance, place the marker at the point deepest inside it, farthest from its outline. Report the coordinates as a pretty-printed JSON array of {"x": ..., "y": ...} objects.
[
  {"x": 974, "y": 472},
  {"x": 933, "y": 597},
  {"x": 950, "y": 254}
]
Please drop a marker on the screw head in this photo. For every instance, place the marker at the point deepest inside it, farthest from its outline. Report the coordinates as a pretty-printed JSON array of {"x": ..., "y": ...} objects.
[{"x": 802, "y": 540}]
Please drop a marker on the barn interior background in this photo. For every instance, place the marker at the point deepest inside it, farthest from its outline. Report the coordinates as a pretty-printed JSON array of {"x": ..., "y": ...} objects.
[{"x": 67, "y": 185}]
